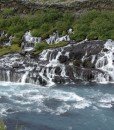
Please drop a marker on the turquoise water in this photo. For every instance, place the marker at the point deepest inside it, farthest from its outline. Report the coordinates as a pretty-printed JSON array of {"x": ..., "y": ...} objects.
[{"x": 68, "y": 107}]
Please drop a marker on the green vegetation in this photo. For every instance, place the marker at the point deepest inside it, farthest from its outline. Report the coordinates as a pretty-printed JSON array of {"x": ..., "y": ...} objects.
[
  {"x": 40, "y": 47},
  {"x": 41, "y": 23},
  {"x": 2, "y": 126},
  {"x": 91, "y": 25},
  {"x": 95, "y": 25},
  {"x": 5, "y": 50}
]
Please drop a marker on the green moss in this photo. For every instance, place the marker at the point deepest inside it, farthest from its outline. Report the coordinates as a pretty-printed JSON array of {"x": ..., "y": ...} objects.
[
  {"x": 60, "y": 44},
  {"x": 40, "y": 47}
]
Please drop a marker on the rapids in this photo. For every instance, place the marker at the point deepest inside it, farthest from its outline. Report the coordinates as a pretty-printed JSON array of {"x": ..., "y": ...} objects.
[{"x": 68, "y": 107}]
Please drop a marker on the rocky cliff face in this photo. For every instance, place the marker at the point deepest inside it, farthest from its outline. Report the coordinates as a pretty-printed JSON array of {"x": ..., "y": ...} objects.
[
  {"x": 25, "y": 6},
  {"x": 87, "y": 61}
]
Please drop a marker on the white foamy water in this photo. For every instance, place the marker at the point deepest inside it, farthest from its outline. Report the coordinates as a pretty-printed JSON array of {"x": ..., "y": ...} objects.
[
  {"x": 15, "y": 98},
  {"x": 18, "y": 98},
  {"x": 105, "y": 63}
]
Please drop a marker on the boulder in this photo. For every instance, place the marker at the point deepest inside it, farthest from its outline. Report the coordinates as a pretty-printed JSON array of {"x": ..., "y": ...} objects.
[{"x": 15, "y": 65}]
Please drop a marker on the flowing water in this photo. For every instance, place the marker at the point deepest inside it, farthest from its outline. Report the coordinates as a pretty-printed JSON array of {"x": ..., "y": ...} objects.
[
  {"x": 49, "y": 68},
  {"x": 65, "y": 107},
  {"x": 58, "y": 107}
]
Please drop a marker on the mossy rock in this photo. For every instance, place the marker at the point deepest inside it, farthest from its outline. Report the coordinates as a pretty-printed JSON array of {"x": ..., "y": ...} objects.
[{"x": 87, "y": 64}]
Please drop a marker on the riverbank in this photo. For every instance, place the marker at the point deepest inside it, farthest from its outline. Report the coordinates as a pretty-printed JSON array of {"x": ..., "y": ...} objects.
[
  {"x": 78, "y": 59},
  {"x": 93, "y": 25}
]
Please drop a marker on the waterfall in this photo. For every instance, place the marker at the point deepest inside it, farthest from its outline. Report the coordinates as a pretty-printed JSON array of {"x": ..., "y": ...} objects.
[
  {"x": 8, "y": 76},
  {"x": 105, "y": 62},
  {"x": 24, "y": 77},
  {"x": 57, "y": 65}
]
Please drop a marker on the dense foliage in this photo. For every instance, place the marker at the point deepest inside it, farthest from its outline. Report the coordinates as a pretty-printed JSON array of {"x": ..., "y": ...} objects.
[
  {"x": 91, "y": 25},
  {"x": 95, "y": 25},
  {"x": 42, "y": 23}
]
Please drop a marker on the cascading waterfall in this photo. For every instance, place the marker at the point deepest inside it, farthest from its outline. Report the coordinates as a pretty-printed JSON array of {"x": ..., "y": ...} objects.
[
  {"x": 105, "y": 62},
  {"x": 51, "y": 66},
  {"x": 8, "y": 75},
  {"x": 24, "y": 77}
]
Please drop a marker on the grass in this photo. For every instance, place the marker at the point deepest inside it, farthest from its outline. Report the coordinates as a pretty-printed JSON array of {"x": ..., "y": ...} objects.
[
  {"x": 93, "y": 25},
  {"x": 13, "y": 49},
  {"x": 2, "y": 126},
  {"x": 43, "y": 46}
]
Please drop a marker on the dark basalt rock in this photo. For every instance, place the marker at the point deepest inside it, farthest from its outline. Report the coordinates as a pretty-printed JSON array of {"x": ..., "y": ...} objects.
[
  {"x": 58, "y": 70},
  {"x": 76, "y": 64},
  {"x": 24, "y": 6},
  {"x": 42, "y": 81},
  {"x": 23, "y": 53},
  {"x": 105, "y": 50},
  {"x": 69, "y": 72},
  {"x": 76, "y": 55},
  {"x": 63, "y": 59},
  {"x": 88, "y": 64},
  {"x": 59, "y": 80},
  {"x": 87, "y": 74}
]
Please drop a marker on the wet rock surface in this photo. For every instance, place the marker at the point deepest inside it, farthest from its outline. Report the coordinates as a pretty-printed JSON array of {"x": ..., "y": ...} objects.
[{"x": 72, "y": 63}]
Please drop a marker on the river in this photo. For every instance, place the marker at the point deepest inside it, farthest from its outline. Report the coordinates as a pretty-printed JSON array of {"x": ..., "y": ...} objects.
[{"x": 65, "y": 107}]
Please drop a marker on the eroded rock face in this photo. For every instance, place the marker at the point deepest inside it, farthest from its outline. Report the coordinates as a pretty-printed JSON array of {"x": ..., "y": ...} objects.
[
  {"x": 79, "y": 6},
  {"x": 73, "y": 63}
]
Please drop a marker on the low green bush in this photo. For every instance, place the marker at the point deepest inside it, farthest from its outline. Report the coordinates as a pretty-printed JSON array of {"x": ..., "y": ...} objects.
[
  {"x": 8, "y": 11},
  {"x": 42, "y": 23},
  {"x": 93, "y": 25},
  {"x": 41, "y": 46}
]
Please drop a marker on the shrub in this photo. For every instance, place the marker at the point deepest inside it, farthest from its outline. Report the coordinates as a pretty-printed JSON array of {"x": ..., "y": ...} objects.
[
  {"x": 16, "y": 41},
  {"x": 7, "y": 11},
  {"x": 41, "y": 46},
  {"x": 94, "y": 24},
  {"x": 111, "y": 34},
  {"x": 92, "y": 35}
]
